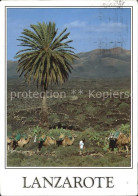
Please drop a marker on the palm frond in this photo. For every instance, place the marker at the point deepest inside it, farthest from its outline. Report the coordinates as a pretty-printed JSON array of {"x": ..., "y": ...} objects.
[{"x": 47, "y": 57}]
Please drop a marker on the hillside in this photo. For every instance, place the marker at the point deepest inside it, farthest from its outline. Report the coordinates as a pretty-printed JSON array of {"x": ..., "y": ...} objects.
[
  {"x": 11, "y": 69},
  {"x": 99, "y": 63},
  {"x": 103, "y": 63}
]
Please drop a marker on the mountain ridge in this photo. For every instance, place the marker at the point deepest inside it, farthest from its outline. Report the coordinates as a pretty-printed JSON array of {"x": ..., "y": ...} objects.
[{"x": 98, "y": 63}]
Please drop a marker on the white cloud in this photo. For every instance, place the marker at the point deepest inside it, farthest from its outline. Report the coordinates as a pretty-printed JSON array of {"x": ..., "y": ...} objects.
[
  {"x": 107, "y": 27},
  {"x": 103, "y": 27},
  {"x": 76, "y": 24}
]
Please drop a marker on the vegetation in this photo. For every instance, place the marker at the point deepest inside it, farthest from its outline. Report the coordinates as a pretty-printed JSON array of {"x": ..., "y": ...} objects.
[
  {"x": 124, "y": 107},
  {"x": 123, "y": 128},
  {"x": 96, "y": 153},
  {"x": 70, "y": 117},
  {"x": 46, "y": 59}
]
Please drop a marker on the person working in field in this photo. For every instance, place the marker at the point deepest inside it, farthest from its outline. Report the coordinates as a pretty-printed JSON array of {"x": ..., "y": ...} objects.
[{"x": 81, "y": 146}]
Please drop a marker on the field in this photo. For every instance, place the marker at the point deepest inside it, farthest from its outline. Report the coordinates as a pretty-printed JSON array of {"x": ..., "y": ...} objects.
[{"x": 79, "y": 107}]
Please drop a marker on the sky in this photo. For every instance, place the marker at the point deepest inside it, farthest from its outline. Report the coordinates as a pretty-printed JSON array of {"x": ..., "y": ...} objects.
[{"x": 90, "y": 28}]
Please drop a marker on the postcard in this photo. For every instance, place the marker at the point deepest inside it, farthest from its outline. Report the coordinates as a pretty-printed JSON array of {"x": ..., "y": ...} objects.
[{"x": 69, "y": 98}]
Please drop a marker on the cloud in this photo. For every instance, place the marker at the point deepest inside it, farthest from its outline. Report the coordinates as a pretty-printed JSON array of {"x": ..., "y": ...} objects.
[
  {"x": 76, "y": 24},
  {"x": 107, "y": 27},
  {"x": 103, "y": 27}
]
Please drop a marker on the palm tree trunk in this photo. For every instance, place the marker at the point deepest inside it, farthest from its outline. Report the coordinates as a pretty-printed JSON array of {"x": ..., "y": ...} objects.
[{"x": 44, "y": 111}]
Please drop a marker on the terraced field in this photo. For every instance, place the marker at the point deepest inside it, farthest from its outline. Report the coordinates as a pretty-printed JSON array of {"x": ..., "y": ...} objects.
[{"x": 79, "y": 111}]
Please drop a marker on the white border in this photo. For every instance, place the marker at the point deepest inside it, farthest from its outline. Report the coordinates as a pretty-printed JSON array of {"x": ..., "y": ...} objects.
[
  {"x": 11, "y": 179},
  {"x": 86, "y": 7}
]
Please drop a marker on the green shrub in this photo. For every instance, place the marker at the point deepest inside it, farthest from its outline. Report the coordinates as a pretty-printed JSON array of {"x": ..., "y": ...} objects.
[
  {"x": 53, "y": 118},
  {"x": 92, "y": 109},
  {"x": 88, "y": 130},
  {"x": 57, "y": 132},
  {"x": 125, "y": 128},
  {"x": 124, "y": 107},
  {"x": 106, "y": 147},
  {"x": 93, "y": 136},
  {"x": 97, "y": 127},
  {"x": 37, "y": 131}
]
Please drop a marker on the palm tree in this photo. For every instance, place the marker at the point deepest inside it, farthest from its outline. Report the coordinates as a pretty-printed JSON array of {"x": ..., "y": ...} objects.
[{"x": 46, "y": 58}]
